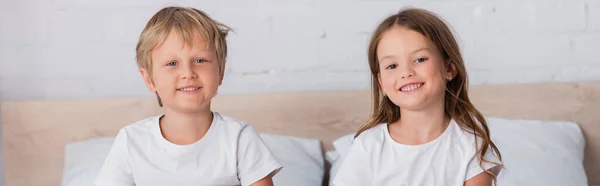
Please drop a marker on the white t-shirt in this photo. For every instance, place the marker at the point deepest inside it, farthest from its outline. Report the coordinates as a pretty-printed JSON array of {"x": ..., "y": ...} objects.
[
  {"x": 230, "y": 153},
  {"x": 376, "y": 159}
]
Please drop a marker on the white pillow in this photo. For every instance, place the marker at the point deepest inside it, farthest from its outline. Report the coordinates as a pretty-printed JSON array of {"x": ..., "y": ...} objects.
[
  {"x": 548, "y": 153},
  {"x": 83, "y": 160},
  {"x": 535, "y": 152},
  {"x": 302, "y": 160}
]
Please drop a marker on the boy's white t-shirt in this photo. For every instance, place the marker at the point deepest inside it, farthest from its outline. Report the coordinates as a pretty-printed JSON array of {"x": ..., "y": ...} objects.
[
  {"x": 230, "y": 153},
  {"x": 376, "y": 159}
]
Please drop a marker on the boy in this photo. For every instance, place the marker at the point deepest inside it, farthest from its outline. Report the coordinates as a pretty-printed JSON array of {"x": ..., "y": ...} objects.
[{"x": 181, "y": 55}]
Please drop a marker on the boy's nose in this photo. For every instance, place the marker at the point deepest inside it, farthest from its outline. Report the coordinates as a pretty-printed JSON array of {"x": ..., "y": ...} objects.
[{"x": 189, "y": 73}]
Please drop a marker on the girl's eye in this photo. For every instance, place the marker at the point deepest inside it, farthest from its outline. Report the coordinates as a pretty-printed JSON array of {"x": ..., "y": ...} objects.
[
  {"x": 421, "y": 60},
  {"x": 172, "y": 63},
  {"x": 199, "y": 61},
  {"x": 392, "y": 66}
]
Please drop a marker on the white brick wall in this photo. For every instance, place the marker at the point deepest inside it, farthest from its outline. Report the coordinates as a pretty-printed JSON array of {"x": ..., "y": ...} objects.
[{"x": 85, "y": 49}]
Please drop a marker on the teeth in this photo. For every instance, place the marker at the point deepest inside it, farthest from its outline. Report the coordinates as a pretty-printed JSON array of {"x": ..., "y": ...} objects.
[
  {"x": 189, "y": 89},
  {"x": 410, "y": 87}
]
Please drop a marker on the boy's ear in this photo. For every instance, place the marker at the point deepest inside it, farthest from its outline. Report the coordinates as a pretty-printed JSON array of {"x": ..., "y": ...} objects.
[
  {"x": 222, "y": 73},
  {"x": 148, "y": 79}
]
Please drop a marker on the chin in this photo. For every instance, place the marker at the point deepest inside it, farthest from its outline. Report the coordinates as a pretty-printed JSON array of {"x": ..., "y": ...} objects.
[
  {"x": 410, "y": 103},
  {"x": 190, "y": 109},
  {"x": 190, "y": 106}
]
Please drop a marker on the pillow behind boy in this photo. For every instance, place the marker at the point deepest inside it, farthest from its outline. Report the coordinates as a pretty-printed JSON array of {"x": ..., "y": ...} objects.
[{"x": 302, "y": 160}]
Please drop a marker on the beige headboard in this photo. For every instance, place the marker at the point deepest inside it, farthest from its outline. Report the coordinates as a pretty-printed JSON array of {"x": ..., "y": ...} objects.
[{"x": 35, "y": 132}]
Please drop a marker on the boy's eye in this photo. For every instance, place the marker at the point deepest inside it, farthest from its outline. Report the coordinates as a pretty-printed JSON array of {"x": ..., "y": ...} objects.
[
  {"x": 421, "y": 60},
  {"x": 392, "y": 66},
  {"x": 199, "y": 61},
  {"x": 172, "y": 63}
]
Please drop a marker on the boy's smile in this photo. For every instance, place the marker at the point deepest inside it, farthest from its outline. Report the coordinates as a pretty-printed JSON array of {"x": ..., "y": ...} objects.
[{"x": 184, "y": 74}]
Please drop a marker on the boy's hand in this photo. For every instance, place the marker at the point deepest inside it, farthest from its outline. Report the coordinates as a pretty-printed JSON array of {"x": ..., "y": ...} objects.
[{"x": 266, "y": 181}]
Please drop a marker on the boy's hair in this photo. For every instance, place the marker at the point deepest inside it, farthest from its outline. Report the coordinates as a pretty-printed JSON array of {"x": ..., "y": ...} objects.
[
  {"x": 457, "y": 103},
  {"x": 186, "y": 21}
]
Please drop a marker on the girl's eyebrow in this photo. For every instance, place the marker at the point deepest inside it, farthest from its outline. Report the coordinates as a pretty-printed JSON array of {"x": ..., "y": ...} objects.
[
  {"x": 421, "y": 49},
  {"x": 386, "y": 57},
  {"x": 393, "y": 56}
]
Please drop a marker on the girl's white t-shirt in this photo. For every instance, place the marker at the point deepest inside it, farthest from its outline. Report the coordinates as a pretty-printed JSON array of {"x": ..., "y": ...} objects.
[
  {"x": 230, "y": 153},
  {"x": 376, "y": 159}
]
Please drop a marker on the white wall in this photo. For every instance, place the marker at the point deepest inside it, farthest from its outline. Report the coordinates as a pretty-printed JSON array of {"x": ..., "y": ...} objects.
[{"x": 85, "y": 48}]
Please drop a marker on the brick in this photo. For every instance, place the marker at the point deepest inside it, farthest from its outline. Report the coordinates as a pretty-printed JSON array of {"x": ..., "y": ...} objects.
[
  {"x": 518, "y": 75},
  {"x": 255, "y": 54},
  {"x": 461, "y": 16},
  {"x": 71, "y": 87},
  {"x": 354, "y": 17},
  {"x": 56, "y": 60},
  {"x": 23, "y": 27},
  {"x": 593, "y": 16},
  {"x": 21, "y": 60},
  {"x": 63, "y": 4},
  {"x": 124, "y": 25},
  {"x": 27, "y": 5},
  {"x": 509, "y": 17},
  {"x": 586, "y": 49},
  {"x": 502, "y": 51},
  {"x": 343, "y": 52},
  {"x": 79, "y": 25},
  {"x": 293, "y": 20},
  {"x": 560, "y": 17},
  {"x": 295, "y": 81}
]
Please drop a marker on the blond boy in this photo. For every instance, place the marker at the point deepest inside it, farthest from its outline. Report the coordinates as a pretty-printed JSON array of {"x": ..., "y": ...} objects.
[{"x": 181, "y": 55}]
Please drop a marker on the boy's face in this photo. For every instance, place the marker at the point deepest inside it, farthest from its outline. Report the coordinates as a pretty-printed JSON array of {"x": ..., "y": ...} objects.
[{"x": 185, "y": 77}]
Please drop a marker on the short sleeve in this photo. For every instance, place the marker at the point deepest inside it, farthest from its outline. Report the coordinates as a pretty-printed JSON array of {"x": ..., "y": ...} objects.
[
  {"x": 255, "y": 160},
  {"x": 116, "y": 170},
  {"x": 473, "y": 168},
  {"x": 355, "y": 169}
]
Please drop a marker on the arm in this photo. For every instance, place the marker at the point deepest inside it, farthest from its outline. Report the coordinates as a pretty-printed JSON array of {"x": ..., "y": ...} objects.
[
  {"x": 482, "y": 179},
  {"x": 476, "y": 175},
  {"x": 266, "y": 181},
  {"x": 355, "y": 169},
  {"x": 256, "y": 164},
  {"x": 116, "y": 170}
]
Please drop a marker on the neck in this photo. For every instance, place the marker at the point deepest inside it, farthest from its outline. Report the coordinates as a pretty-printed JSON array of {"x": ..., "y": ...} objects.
[
  {"x": 185, "y": 128},
  {"x": 420, "y": 126}
]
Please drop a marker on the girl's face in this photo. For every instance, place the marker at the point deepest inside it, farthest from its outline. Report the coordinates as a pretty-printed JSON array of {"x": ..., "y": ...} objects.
[{"x": 412, "y": 71}]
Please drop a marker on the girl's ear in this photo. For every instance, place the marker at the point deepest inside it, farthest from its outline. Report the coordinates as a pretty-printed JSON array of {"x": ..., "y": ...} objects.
[
  {"x": 450, "y": 71},
  {"x": 380, "y": 85}
]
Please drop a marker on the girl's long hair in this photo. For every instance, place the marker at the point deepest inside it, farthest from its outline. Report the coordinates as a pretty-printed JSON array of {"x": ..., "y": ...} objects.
[{"x": 457, "y": 103}]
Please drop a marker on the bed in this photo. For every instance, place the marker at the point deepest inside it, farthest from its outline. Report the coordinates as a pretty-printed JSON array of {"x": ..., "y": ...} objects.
[{"x": 37, "y": 132}]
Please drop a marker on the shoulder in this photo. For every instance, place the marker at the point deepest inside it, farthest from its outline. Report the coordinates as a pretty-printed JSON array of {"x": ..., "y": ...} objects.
[
  {"x": 139, "y": 128},
  {"x": 471, "y": 146},
  {"x": 374, "y": 136},
  {"x": 465, "y": 138},
  {"x": 230, "y": 124}
]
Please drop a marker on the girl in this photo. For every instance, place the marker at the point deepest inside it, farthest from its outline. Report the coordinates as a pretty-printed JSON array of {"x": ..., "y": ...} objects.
[{"x": 424, "y": 130}]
